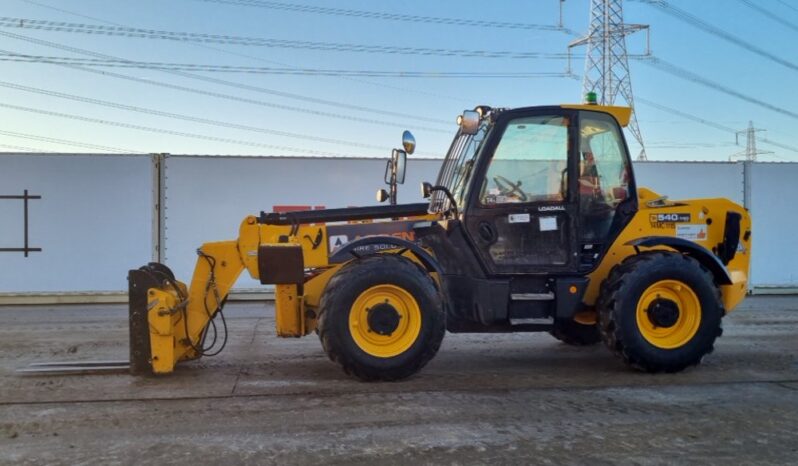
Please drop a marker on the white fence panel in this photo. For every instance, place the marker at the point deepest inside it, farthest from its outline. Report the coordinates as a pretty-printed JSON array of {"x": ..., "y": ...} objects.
[
  {"x": 775, "y": 222},
  {"x": 96, "y": 215},
  {"x": 208, "y": 197},
  {"x": 93, "y": 222},
  {"x": 684, "y": 180}
]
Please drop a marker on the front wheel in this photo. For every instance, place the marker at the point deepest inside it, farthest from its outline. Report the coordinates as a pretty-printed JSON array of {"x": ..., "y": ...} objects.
[
  {"x": 381, "y": 318},
  {"x": 660, "y": 311}
]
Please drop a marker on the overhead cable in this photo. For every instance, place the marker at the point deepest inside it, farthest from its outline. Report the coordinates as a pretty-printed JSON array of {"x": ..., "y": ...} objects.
[
  {"x": 381, "y": 15},
  {"x": 67, "y": 142},
  {"x": 17, "y": 57},
  {"x": 718, "y": 32},
  {"x": 123, "y": 31},
  {"x": 687, "y": 75},
  {"x": 339, "y": 105},
  {"x": 204, "y": 137},
  {"x": 193, "y": 119}
]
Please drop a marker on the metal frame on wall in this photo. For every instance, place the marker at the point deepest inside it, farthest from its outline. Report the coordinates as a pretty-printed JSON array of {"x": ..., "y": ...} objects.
[{"x": 25, "y": 197}]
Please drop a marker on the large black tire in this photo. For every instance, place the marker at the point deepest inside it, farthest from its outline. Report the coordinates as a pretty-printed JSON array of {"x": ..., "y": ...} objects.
[
  {"x": 618, "y": 311},
  {"x": 573, "y": 333},
  {"x": 342, "y": 292}
]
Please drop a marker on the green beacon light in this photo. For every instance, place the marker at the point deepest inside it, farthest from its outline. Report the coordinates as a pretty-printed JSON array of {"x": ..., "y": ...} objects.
[{"x": 591, "y": 98}]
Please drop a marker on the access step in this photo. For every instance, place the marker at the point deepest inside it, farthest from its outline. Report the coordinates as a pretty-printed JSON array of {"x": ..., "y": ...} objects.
[{"x": 532, "y": 296}]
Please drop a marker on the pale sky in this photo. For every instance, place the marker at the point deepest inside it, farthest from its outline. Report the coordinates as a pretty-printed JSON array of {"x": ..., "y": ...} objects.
[{"x": 44, "y": 105}]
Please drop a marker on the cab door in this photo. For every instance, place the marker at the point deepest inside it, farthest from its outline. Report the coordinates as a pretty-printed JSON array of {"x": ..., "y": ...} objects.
[{"x": 522, "y": 209}]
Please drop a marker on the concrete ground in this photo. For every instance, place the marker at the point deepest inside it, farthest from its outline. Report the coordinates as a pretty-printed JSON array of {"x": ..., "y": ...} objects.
[{"x": 485, "y": 399}]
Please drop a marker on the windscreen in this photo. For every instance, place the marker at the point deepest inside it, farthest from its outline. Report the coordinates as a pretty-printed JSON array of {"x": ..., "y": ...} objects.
[{"x": 456, "y": 169}]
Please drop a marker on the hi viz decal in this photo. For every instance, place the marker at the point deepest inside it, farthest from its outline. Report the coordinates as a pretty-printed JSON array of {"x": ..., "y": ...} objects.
[
  {"x": 668, "y": 220},
  {"x": 697, "y": 232}
]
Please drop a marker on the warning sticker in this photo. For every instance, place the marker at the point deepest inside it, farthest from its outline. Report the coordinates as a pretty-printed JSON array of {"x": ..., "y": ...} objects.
[
  {"x": 692, "y": 232},
  {"x": 518, "y": 218},
  {"x": 548, "y": 223},
  {"x": 336, "y": 241}
]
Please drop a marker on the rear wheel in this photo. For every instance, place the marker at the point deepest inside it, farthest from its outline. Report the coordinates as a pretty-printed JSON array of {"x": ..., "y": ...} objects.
[
  {"x": 660, "y": 311},
  {"x": 381, "y": 318}
]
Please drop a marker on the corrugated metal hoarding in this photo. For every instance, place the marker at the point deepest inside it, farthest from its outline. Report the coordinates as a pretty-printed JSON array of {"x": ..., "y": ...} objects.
[{"x": 96, "y": 217}]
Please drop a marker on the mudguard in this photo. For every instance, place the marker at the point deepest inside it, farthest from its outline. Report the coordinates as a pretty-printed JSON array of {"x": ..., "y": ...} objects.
[{"x": 696, "y": 251}]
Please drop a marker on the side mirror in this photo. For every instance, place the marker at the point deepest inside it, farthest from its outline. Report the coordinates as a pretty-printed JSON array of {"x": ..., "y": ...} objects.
[
  {"x": 388, "y": 170},
  {"x": 468, "y": 122},
  {"x": 382, "y": 195},
  {"x": 408, "y": 142},
  {"x": 400, "y": 158}
]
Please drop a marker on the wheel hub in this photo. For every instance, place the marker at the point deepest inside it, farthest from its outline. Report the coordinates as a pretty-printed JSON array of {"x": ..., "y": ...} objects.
[
  {"x": 383, "y": 319},
  {"x": 663, "y": 313}
]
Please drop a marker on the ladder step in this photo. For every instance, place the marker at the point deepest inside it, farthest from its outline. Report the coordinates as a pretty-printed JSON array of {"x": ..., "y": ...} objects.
[
  {"x": 532, "y": 296},
  {"x": 532, "y": 320}
]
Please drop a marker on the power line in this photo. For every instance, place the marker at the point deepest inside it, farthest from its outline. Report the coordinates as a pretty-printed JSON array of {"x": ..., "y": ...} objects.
[
  {"x": 229, "y": 52},
  {"x": 67, "y": 142},
  {"x": 365, "y": 14},
  {"x": 687, "y": 145},
  {"x": 794, "y": 8},
  {"x": 24, "y": 149},
  {"x": 123, "y": 31},
  {"x": 769, "y": 14},
  {"x": 717, "y": 32},
  {"x": 238, "y": 86},
  {"x": 169, "y": 132},
  {"x": 687, "y": 75},
  {"x": 193, "y": 119},
  {"x": 686, "y": 115},
  {"x": 709, "y": 123},
  {"x": 24, "y": 58}
]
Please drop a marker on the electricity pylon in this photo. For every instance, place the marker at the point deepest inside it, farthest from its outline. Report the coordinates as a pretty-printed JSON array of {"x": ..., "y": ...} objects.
[
  {"x": 750, "y": 152},
  {"x": 607, "y": 62}
]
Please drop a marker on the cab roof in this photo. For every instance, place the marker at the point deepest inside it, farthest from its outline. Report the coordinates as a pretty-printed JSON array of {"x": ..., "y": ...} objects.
[{"x": 622, "y": 114}]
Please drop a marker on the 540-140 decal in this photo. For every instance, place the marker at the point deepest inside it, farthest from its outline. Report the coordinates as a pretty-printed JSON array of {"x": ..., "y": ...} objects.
[{"x": 668, "y": 220}]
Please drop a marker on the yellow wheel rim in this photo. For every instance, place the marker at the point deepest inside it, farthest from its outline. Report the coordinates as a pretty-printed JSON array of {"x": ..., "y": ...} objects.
[
  {"x": 668, "y": 314},
  {"x": 385, "y": 321}
]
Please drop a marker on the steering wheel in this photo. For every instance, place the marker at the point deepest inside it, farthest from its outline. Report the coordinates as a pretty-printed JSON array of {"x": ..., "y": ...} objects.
[{"x": 508, "y": 188}]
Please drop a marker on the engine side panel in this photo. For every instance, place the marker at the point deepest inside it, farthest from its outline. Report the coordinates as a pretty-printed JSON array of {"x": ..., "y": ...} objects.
[{"x": 702, "y": 221}]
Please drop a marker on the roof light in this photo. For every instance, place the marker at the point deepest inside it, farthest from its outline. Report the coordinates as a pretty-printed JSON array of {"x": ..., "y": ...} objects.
[{"x": 591, "y": 98}]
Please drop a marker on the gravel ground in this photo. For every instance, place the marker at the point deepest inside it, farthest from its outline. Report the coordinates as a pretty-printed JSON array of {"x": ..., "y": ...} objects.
[{"x": 485, "y": 399}]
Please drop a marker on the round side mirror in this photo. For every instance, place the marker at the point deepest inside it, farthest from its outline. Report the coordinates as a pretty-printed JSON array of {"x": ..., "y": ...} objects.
[
  {"x": 382, "y": 195},
  {"x": 400, "y": 158},
  {"x": 408, "y": 142},
  {"x": 468, "y": 122}
]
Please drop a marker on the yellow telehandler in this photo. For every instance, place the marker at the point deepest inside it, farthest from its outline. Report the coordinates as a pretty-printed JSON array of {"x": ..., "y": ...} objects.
[{"x": 535, "y": 223}]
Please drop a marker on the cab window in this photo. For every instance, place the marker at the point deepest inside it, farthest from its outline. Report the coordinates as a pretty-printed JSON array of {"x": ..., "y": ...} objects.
[
  {"x": 530, "y": 162},
  {"x": 603, "y": 173}
]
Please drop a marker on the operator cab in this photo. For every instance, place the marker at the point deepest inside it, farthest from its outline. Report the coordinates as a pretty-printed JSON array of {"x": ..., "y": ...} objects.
[{"x": 533, "y": 192}]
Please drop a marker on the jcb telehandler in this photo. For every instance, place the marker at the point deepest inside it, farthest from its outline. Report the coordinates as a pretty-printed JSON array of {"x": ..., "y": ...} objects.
[{"x": 535, "y": 223}]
